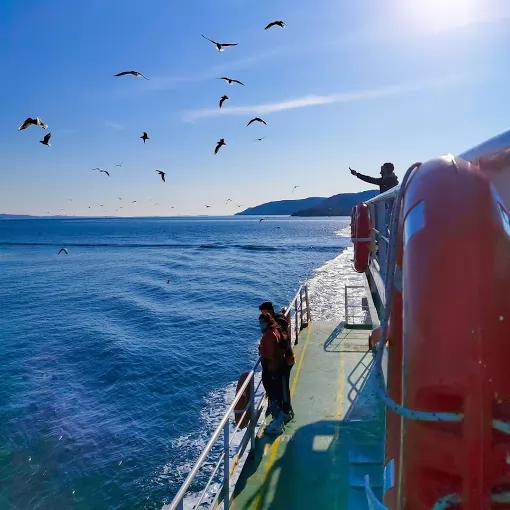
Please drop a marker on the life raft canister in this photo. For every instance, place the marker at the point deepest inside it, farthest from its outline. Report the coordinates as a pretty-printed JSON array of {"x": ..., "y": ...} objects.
[
  {"x": 360, "y": 236},
  {"x": 243, "y": 404}
]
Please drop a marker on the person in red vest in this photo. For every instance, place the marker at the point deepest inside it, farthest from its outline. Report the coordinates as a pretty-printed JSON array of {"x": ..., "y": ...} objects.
[{"x": 272, "y": 360}]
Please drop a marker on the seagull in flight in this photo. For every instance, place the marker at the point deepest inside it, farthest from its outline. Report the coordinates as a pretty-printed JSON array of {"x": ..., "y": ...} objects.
[
  {"x": 162, "y": 174},
  {"x": 223, "y": 99},
  {"x": 145, "y": 136},
  {"x": 219, "y": 145},
  {"x": 103, "y": 171},
  {"x": 229, "y": 200},
  {"x": 295, "y": 188},
  {"x": 207, "y": 206},
  {"x": 46, "y": 140},
  {"x": 231, "y": 81},
  {"x": 136, "y": 74},
  {"x": 120, "y": 198},
  {"x": 120, "y": 164},
  {"x": 63, "y": 250},
  {"x": 32, "y": 122},
  {"x": 256, "y": 119},
  {"x": 240, "y": 205},
  {"x": 259, "y": 139},
  {"x": 219, "y": 46},
  {"x": 280, "y": 24},
  {"x": 133, "y": 202}
]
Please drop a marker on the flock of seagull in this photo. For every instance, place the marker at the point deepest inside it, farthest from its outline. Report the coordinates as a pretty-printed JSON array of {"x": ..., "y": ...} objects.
[{"x": 144, "y": 137}]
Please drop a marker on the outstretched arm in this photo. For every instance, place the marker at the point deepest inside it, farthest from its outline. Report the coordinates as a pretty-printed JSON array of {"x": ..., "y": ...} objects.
[{"x": 366, "y": 178}]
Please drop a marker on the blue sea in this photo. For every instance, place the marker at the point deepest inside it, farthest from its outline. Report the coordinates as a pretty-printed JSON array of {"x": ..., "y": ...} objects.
[{"x": 111, "y": 378}]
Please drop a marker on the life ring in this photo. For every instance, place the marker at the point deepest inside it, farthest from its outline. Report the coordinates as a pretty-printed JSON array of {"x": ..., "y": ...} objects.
[
  {"x": 360, "y": 236},
  {"x": 243, "y": 404}
]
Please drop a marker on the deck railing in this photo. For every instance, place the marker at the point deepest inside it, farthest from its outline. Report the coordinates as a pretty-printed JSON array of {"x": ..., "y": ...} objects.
[
  {"x": 298, "y": 314},
  {"x": 380, "y": 211}
]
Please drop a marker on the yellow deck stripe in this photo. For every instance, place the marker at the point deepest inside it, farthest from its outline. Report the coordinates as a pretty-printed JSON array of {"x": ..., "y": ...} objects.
[{"x": 276, "y": 443}]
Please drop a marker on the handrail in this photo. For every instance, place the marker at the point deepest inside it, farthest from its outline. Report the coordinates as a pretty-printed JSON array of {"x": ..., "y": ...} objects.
[{"x": 223, "y": 427}]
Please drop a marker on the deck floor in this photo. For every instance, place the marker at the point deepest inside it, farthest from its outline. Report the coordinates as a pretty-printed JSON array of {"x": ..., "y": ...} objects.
[{"x": 337, "y": 435}]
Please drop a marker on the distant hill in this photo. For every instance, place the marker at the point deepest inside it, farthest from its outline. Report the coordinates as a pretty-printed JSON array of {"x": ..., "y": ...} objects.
[
  {"x": 337, "y": 205},
  {"x": 15, "y": 216},
  {"x": 283, "y": 207}
]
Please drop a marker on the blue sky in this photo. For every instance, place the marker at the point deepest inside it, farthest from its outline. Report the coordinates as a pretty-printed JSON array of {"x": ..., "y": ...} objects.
[{"x": 345, "y": 84}]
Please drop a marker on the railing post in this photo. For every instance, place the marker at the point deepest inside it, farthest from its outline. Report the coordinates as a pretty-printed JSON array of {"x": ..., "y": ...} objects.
[
  {"x": 308, "y": 313},
  {"x": 381, "y": 245},
  {"x": 226, "y": 467},
  {"x": 253, "y": 418},
  {"x": 296, "y": 321},
  {"x": 346, "y": 308},
  {"x": 301, "y": 307}
]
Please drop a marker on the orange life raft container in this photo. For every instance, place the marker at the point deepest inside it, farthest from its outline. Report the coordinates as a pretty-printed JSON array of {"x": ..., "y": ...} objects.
[
  {"x": 360, "y": 236},
  {"x": 453, "y": 428},
  {"x": 243, "y": 403}
]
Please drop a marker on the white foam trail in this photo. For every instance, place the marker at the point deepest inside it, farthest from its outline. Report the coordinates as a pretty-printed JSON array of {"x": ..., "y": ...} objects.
[{"x": 326, "y": 287}]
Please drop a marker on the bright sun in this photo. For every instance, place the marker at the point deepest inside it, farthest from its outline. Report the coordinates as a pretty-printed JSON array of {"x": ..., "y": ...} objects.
[{"x": 441, "y": 14}]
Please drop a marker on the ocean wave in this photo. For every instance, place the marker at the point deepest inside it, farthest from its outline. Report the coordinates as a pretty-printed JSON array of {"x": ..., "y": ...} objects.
[{"x": 211, "y": 246}]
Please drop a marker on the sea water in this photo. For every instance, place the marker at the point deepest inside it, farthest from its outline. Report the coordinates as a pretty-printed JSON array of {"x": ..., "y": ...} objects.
[{"x": 118, "y": 359}]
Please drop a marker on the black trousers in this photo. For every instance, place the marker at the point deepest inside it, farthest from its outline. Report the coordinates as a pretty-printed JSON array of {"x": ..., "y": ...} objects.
[
  {"x": 285, "y": 389},
  {"x": 272, "y": 385}
]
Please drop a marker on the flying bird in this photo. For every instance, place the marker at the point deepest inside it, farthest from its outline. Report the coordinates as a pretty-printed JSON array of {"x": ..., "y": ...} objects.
[
  {"x": 231, "y": 81},
  {"x": 259, "y": 139},
  {"x": 229, "y": 200},
  {"x": 156, "y": 204},
  {"x": 295, "y": 188},
  {"x": 145, "y": 136},
  {"x": 240, "y": 205},
  {"x": 32, "y": 122},
  {"x": 120, "y": 164},
  {"x": 63, "y": 250},
  {"x": 280, "y": 24},
  {"x": 133, "y": 202},
  {"x": 46, "y": 140},
  {"x": 162, "y": 174},
  {"x": 103, "y": 171},
  {"x": 256, "y": 119},
  {"x": 120, "y": 198},
  {"x": 261, "y": 220},
  {"x": 219, "y": 145},
  {"x": 223, "y": 99},
  {"x": 219, "y": 46},
  {"x": 208, "y": 206},
  {"x": 136, "y": 74}
]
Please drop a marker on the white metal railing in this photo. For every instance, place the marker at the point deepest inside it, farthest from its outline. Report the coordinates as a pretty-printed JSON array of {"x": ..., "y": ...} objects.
[
  {"x": 356, "y": 312},
  {"x": 299, "y": 316}
]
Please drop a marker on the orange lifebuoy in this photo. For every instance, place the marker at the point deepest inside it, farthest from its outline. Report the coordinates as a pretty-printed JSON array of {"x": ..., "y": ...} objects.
[
  {"x": 243, "y": 403},
  {"x": 360, "y": 236}
]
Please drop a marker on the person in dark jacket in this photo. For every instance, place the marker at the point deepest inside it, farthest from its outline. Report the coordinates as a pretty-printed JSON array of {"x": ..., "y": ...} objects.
[
  {"x": 387, "y": 180},
  {"x": 288, "y": 361}
]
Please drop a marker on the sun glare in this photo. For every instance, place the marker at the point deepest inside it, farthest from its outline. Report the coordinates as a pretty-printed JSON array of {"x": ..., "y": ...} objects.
[{"x": 442, "y": 14}]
